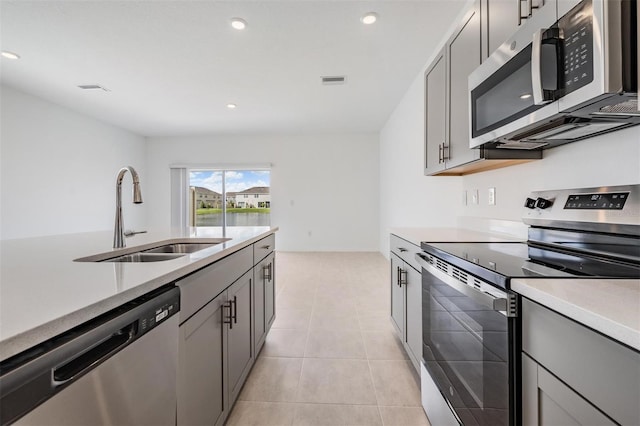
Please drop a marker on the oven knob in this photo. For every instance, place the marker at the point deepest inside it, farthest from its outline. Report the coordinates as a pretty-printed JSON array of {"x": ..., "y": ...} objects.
[
  {"x": 530, "y": 203},
  {"x": 541, "y": 203}
]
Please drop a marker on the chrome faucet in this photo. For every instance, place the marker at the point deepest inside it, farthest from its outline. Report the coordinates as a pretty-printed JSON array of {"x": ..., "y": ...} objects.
[{"x": 118, "y": 232}]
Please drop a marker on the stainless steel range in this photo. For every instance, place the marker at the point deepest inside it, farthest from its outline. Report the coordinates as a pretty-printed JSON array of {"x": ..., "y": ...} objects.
[{"x": 471, "y": 328}]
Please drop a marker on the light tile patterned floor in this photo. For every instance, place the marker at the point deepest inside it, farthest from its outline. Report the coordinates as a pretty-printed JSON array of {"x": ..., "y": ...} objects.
[{"x": 332, "y": 357}]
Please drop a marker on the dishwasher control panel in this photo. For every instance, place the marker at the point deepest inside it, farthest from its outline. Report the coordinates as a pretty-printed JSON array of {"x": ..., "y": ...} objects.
[{"x": 157, "y": 313}]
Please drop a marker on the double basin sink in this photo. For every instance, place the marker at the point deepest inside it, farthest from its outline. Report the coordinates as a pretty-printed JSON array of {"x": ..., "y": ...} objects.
[{"x": 157, "y": 253}]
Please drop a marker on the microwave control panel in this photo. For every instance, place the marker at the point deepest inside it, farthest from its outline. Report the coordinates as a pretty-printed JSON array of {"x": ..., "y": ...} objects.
[{"x": 576, "y": 30}]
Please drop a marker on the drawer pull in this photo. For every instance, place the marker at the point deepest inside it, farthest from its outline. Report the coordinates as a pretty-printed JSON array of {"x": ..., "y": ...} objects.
[
  {"x": 402, "y": 249},
  {"x": 267, "y": 247}
]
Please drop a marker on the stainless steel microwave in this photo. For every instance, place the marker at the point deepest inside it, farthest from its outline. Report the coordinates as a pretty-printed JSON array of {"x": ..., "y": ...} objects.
[{"x": 558, "y": 80}]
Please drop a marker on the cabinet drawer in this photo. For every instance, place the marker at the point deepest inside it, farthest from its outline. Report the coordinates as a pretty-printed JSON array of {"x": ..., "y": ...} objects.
[
  {"x": 202, "y": 286},
  {"x": 603, "y": 371},
  {"x": 262, "y": 248},
  {"x": 406, "y": 251}
]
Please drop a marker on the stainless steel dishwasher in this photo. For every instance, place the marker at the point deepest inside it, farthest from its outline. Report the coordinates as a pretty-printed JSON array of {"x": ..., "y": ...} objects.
[{"x": 118, "y": 369}]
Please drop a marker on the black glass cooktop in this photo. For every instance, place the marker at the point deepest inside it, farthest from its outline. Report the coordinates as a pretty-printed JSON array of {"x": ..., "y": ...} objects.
[{"x": 500, "y": 262}]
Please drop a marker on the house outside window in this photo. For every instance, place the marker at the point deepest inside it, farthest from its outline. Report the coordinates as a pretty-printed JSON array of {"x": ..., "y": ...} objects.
[{"x": 209, "y": 187}]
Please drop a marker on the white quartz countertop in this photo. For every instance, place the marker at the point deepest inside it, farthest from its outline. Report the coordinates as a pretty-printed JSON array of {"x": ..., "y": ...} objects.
[
  {"x": 445, "y": 235},
  {"x": 44, "y": 292},
  {"x": 611, "y": 307}
]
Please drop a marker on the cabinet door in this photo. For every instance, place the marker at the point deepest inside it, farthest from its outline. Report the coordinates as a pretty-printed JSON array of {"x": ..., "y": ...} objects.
[
  {"x": 548, "y": 401},
  {"x": 240, "y": 350},
  {"x": 414, "y": 316},
  {"x": 270, "y": 294},
  {"x": 397, "y": 296},
  {"x": 502, "y": 22},
  {"x": 202, "y": 359},
  {"x": 435, "y": 115},
  {"x": 465, "y": 55},
  {"x": 264, "y": 299}
]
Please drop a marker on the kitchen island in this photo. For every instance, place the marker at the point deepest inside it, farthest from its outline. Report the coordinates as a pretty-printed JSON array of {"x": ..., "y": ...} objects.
[{"x": 44, "y": 291}]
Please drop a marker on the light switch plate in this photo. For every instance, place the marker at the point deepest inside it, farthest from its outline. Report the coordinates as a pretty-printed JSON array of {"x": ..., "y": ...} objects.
[
  {"x": 491, "y": 198},
  {"x": 474, "y": 197}
]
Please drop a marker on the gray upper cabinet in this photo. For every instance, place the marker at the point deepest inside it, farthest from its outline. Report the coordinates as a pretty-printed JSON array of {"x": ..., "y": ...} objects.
[
  {"x": 502, "y": 22},
  {"x": 465, "y": 55},
  {"x": 435, "y": 115},
  {"x": 447, "y": 134}
]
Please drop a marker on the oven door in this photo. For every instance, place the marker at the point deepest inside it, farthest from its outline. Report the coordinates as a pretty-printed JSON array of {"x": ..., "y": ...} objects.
[{"x": 469, "y": 345}]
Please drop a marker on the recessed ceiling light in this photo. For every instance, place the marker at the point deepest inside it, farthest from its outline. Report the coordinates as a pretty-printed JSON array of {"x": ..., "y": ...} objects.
[
  {"x": 525, "y": 96},
  {"x": 10, "y": 55},
  {"x": 369, "y": 18},
  {"x": 238, "y": 23},
  {"x": 232, "y": 106}
]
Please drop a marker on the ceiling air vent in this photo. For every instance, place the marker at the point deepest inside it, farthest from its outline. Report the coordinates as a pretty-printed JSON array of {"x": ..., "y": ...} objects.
[
  {"x": 334, "y": 79},
  {"x": 93, "y": 87}
]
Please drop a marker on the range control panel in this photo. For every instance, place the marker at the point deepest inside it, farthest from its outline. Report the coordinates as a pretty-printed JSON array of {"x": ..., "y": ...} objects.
[{"x": 611, "y": 201}]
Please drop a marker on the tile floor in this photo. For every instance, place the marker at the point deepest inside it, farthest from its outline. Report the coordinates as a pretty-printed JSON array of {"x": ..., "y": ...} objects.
[{"x": 331, "y": 357}]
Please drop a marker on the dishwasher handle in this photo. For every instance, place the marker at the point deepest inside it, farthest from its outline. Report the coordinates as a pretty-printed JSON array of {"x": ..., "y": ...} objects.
[{"x": 74, "y": 368}]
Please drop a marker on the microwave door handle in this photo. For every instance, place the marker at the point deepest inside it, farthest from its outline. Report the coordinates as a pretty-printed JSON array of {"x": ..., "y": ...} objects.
[{"x": 536, "y": 68}]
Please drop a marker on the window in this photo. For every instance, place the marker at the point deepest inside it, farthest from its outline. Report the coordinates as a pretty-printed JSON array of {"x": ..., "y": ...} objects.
[{"x": 208, "y": 187}]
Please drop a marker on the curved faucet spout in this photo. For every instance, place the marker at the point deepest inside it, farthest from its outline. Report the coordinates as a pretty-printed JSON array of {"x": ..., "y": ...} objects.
[{"x": 118, "y": 232}]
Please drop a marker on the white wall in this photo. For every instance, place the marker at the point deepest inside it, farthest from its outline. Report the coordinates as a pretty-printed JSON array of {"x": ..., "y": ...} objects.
[
  {"x": 407, "y": 197},
  {"x": 326, "y": 185},
  {"x": 611, "y": 159},
  {"x": 58, "y": 168}
]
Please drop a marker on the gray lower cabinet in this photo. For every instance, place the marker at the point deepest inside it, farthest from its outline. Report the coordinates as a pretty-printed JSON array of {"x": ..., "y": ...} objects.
[
  {"x": 406, "y": 298},
  {"x": 397, "y": 295},
  {"x": 548, "y": 401},
  {"x": 572, "y": 375},
  {"x": 265, "y": 298},
  {"x": 202, "y": 367},
  {"x": 240, "y": 347},
  {"x": 224, "y": 307}
]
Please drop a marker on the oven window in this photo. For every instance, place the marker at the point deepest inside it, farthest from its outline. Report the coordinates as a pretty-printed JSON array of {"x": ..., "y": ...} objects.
[{"x": 466, "y": 351}]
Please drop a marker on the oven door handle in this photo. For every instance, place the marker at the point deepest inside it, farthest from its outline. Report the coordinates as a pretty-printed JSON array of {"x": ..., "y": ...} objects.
[{"x": 497, "y": 300}]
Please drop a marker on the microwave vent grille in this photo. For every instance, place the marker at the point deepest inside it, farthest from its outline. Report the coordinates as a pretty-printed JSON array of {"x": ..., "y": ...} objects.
[
  {"x": 629, "y": 106},
  {"x": 521, "y": 145}
]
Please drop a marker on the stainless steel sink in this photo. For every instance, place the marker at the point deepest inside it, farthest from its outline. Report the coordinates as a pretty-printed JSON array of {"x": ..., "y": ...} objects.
[
  {"x": 156, "y": 252},
  {"x": 145, "y": 257},
  {"x": 180, "y": 248}
]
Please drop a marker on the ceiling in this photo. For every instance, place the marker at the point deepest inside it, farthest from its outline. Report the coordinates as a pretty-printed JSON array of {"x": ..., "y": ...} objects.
[{"x": 171, "y": 67}]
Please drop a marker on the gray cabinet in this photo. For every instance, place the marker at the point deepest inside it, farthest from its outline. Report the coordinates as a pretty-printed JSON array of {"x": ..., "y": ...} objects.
[
  {"x": 224, "y": 307},
  {"x": 465, "y": 55},
  {"x": 435, "y": 115},
  {"x": 215, "y": 355},
  {"x": 265, "y": 298},
  {"x": 574, "y": 375},
  {"x": 397, "y": 295},
  {"x": 502, "y": 21},
  {"x": 502, "y": 18},
  {"x": 548, "y": 401},
  {"x": 447, "y": 134},
  {"x": 240, "y": 347},
  {"x": 202, "y": 366},
  {"x": 406, "y": 298}
]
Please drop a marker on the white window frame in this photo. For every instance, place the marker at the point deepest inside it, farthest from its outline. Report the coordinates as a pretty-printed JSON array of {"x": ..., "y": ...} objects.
[{"x": 180, "y": 188}]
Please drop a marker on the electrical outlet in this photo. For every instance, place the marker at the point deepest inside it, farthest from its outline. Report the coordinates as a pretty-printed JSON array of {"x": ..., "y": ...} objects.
[
  {"x": 491, "y": 197},
  {"x": 474, "y": 197}
]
